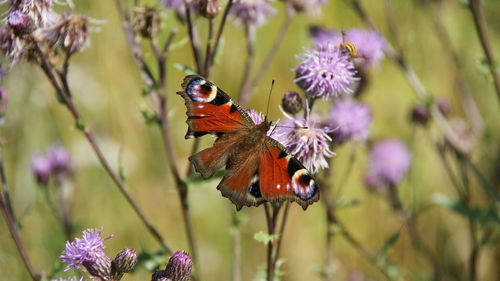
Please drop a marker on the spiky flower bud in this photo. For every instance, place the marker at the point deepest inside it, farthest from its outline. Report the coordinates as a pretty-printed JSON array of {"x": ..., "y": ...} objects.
[
  {"x": 158, "y": 275},
  {"x": 179, "y": 266},
  {"x": 20, "y": 22},
  {"x": 125, "y": 261},
  {"x": 291, "y": 102},
  {"x": 420, "y": 114},
  {"x": 146, "y": 21},
  {"x": 100, "y": 267},
  {"x": 209, "y": 8}
]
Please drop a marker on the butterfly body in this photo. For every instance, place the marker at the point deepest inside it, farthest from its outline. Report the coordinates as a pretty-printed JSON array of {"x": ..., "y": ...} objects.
[{"x": 258, "y": 168}]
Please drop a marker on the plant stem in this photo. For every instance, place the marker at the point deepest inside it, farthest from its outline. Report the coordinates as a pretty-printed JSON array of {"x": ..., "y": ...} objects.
[
  {"x": 247, "y": 70},
  {"x": 271, "y": 219},
  {"x": 261, "y": 71},
  {"x": 236, "y": 235},
  {"x": 12, "y": 225},
  {"x": 213, "y": 52},
  {"x": 481, "y": 28},
  {"x": 64, "y": 92},
  {"x": 193, "y": 39},
  {"x": 208, "y": 52}
]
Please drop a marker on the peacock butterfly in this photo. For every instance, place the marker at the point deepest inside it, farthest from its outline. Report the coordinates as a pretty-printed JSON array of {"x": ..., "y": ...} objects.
[{"x": 258, "y": 168}]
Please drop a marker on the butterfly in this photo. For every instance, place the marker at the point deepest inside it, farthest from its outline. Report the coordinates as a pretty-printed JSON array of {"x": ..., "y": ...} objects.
[{"x": 258, "y": 168}]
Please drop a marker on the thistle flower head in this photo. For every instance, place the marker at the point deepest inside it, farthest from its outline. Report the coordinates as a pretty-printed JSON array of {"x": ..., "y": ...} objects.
[
  {"x": 59, "y": 158},
  {"x": 146, "y": 21},
  {"x": 325, "y": 72},
  {"x": 420, "y": 114},
  {"x": 40, "y": 11},
  {"x": 87, "y": 249},
  {"x": 308, "y": 141},
  {"x": 20, "y": 22},
  {"x": 71, "y": 33},
  {"x": 350, "y": 120},
  {"x": 370, "y": 45},
  {"x": 15, "y": 46},
  {"x": 389, "y": 162},
  {"x": 252, "y": 12},
  {"x": 179, "y": 267}
]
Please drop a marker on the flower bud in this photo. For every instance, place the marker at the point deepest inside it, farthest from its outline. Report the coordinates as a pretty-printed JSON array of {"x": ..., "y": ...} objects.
[
  {"x": 179, "y": 267},
  {"x": 41, "y": 168},
  {"x": 146, "y": 21},
  {"x": 20, "y": 22},
  {"x": 444, "y": 106},
  {"x": 291, "y": 102},
  {"x": 158, "y": 275},
  {"x": 209, "y": 8},
  {"x": 420, "y": 114},
  {"x": 101, "y": 267},
  {"x": 125, "y": 261}
]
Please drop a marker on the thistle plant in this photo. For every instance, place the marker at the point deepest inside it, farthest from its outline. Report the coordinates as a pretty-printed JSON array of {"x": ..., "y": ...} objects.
[{"x": 419, "y": 134}]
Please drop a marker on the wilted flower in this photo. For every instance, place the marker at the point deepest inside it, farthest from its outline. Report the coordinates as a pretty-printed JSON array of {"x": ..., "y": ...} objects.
[
  {"x": 15, "y": 46},
  {"x": 420, "y": 114},
  {"x": 71, "y": 33},
  {"x": 313, "y": 6},
  {"x": 370, "y": 45},
  {"x": 179, "y": 267},
  {"x": 252, "y": 12},
  {"x": 41, "y": 168},
  {"x": 125, "y": 261},
  {"x": 20, "y": 22},
  {"x": 40, "y": 11},
  {"x": 84, "y": 251},
  {"x": 325, "y": 72},
  {"x": 350, "y": 120},
  {"x": 146, "y": 21},
  {"x": 291, "y": 102},
  {"x": 308, "y": 141},
  {"x": 389, "y": 162}
]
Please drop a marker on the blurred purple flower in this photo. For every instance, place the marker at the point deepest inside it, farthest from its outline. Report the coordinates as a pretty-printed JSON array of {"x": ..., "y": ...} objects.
[
  {"x": 258, "y": 117},
  {"x": 252, "y": 12},
  {"x": 179, "y": 267},
  {"x": 20, "y": 22},
  {"x": 176, "y": 5},
  {"x": 325, "y": 72},
  {"x": 41, "y": 168},
  {"x": 444, "y": 106},
  {"x": 40, "y": 11},
  {"x": 85, "y": 250},
  {"x": 60, "y": 160},
  {"x": 389, "y": 162},
  {"x": 308, "y": 141},
  {"x": 292, "y": 102},
  {"x": 350, "y": 120},
  {"x": 370, "y": 45},
  {"x": 313, "y": 6}
]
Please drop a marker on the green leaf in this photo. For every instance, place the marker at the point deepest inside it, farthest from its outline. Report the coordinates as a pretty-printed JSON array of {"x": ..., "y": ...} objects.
[
  {"x": 278, "y": 273},
  {"x": 488, "y": 215},
  {"x": 153, "y": 260},
  {"x": 345, "y": 203},
  {"x": 150, "y": 116},
  {"x": 178, "y": 44},
  {"x": 81, "y": 126},
  {"x": 389, "y": 243},
  {"x": 186, "y": 69},
  {"x": 197, "y": 178},
  {"x": 265, "y": 238},
  {"x": 121, "y": 169}
]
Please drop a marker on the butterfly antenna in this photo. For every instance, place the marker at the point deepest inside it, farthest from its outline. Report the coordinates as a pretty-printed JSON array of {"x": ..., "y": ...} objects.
[{"x": 269, "y": 100}]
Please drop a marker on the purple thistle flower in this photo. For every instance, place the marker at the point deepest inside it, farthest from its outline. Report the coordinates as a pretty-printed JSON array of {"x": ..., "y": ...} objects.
[
  {"x": 350, "y": 120},
  {"x": 370, "y": 45},
  {"x": 389, "y": 162},
  {"x": 40, "y": 11},
  {"x": 20, "y": 22},
  {"x": 125, "y": 260},
  {"x": 308, "y": 141},
  {"x": 252, "y": 12},
  {"x": 291, "y": 102},
  {"x": 85, "y": 250},
  {"x": 179, "y": 267},
  {"x": 70, "y": 279},
  {"x": 325, "y": 72},
  {"x": 41, "y": 168}
]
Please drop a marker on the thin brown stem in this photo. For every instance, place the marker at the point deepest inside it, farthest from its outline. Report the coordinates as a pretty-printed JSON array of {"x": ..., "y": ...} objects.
[
  {"x": 272, "y": 219},
  {"x": 193, "y": 39},
  {"x": 208, "y": 51},
  {"x": 281, "y": 232},
  {"x": 13, "y": 229},
  {"x": 219, "y": 36},
  {"x": 261, "y": 71},
  {"x": 236, "y": 235},
  {"x": 482, "y": 31},
  {"x": 247, "y": 69}
]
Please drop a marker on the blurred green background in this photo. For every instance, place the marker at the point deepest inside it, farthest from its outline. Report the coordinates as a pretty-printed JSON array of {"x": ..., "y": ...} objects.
[{"x": 107, "y": 88}]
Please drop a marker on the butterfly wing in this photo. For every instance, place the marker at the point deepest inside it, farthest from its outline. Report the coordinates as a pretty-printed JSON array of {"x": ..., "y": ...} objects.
[
  {"x": 210, "y": 110},
  {"x": 283, "y": 178}
]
